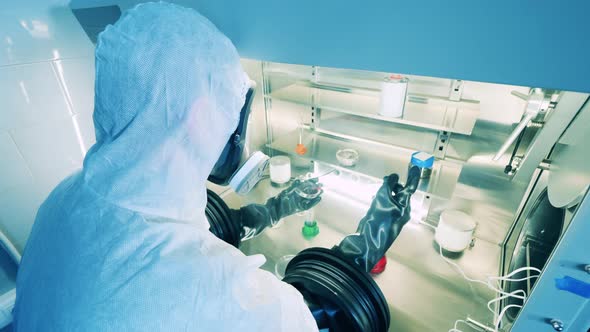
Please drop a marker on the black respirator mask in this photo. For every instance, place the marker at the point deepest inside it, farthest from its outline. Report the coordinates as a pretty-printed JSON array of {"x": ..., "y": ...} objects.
[{"x": 229, "y": 160}]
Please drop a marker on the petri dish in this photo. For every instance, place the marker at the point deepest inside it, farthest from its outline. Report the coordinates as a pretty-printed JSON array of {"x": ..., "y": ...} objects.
[
  {"x": 308, "y": 189},
  {"x": 347, "y": 157}
]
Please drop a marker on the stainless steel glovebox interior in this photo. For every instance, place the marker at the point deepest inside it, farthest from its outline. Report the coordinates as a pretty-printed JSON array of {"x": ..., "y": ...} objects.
[
  {"x": 463, "y": 124},
  {"x": 423, "y": 292}
]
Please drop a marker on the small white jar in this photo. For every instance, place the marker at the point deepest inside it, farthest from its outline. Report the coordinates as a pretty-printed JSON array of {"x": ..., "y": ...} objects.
[
  {"x": 454, "y": 231},
  {"x": 393, "y": 96},
  {"x": 280, "y": 169}
]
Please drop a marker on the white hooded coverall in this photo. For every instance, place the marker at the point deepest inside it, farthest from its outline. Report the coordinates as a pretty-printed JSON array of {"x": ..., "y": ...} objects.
[{"x": 124, "y": 245}]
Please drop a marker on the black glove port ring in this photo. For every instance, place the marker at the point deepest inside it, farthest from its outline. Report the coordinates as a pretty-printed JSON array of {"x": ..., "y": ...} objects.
[
  {"x": 326, "y": 279},
  {"x": 220, "y": 220}
]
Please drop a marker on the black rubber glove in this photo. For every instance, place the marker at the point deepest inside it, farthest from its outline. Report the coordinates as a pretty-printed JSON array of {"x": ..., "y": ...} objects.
[
  {"x": 254, "y": 218},
  {"x": 389, "y": 212}
]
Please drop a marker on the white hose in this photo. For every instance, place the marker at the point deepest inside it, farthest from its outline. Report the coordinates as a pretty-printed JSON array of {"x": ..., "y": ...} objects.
[
  {"x": 455, "y": 329},
  {"x": 499, "y": 319},
  {"x": 496, "y": 288},
  {"x": 10, "y": 248}
]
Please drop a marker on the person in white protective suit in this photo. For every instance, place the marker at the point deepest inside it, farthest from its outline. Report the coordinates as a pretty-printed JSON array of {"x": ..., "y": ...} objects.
[{"x": 124, "y": 245}]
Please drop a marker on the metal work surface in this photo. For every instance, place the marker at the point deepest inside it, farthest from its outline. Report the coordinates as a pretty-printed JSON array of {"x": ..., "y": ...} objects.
[
  {"x": 375, "y": 161},
  {"x": 424, "y": 292},
  {"x": 419, "y": 111}
]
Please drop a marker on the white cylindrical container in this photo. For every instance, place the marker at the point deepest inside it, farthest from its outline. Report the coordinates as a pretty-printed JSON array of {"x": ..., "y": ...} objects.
[
  {"x": 280, "y": 169},
  {"x": 454, "y": 231},
  {"x": 393, "y": 96}
]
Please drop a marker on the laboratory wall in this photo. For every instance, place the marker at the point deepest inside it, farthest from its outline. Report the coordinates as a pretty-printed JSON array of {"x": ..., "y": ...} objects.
[{"x": 46, "y": 103}]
